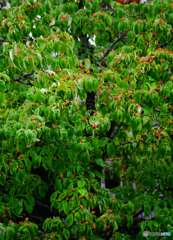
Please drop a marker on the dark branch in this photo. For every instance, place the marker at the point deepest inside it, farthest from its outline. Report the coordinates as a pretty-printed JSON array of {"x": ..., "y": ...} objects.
[
  {"x": 126, "y": 2},
  {"x": 41, "y": 204},
  {"x": 166, "y": 43},
  {"x": 25, "y": 83},
  {"x": 25, "y": 76},
  {"x": 3, "y": 40},
  {"x": 116, "y": 131},
  {"x": 28, "y": 39},
  {"x": 109, "y": 49},
  {"x": 138, "y": 213},
  {"x": 108, "y": 9},
  {"x": 133, "y": 16},
  {"x": 124, "y": 143},
  {"x": 113, "y": 124}
]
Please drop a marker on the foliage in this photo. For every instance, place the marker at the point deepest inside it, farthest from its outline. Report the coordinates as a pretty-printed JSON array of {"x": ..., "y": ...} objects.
[{"x": 63, "y": 116}]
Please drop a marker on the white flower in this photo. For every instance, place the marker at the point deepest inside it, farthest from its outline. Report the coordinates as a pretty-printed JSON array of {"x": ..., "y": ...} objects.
[{"x": 44, "y": 90}]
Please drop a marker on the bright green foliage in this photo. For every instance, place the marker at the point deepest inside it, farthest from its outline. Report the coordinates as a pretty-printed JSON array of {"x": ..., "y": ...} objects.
[{"x": 62, "y": 117}]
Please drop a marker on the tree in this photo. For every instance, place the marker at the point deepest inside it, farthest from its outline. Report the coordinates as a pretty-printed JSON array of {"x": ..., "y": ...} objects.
[{"x": 70, "y": 109}]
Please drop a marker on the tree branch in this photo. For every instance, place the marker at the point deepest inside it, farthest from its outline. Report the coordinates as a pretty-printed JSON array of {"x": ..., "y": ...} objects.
[
  {"x": 116, "y": 131},
  {"x": 124, "y": 143},
  {"x": 108, "y": 9},
  {"x": 113, "y": 124},
  {"x": 25, "y": 76},
  {"x": 138, "y": 213},
  {"x": 3, "y": 40},
  {"x": 126, "y": 2},
  {"x": 28, "y": 39},
  {"x": 41, "y": 204},
  {"x": 133, "y": 16},
  {"x": 164, "y": 44},
  {"x": 109, "y": 49}
]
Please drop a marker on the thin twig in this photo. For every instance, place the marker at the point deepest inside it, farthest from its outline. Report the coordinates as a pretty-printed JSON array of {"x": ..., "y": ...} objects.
[
  {"x": 41, "y": 204},
  {"x": 2, "y": 41},
  {"x": 25, "y": 76},
  {"x": 25, "y": 83},
  {"x": 109, "y": 49},
  {"x": 116, "y": 131},
  {"x": 124, "y": 143},
  {"x": 126, "y": 2},
  {"x": 107, "y": 9},
  {"x": 138, "y": 213},
  {"x": 165, "y": 43},
  {"x": 28, "y": 39},
  {"x": 133, "y": 16}
]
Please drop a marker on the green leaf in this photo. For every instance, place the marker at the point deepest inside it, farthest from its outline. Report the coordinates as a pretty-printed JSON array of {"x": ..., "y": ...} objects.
[
  {"x": 53, "y": 196},
  {"x": 165, "y": 108},
  {"x": 99, "y": 162},
  {"x": 96, "y": 186},
  {"x": 117, "y": 218},
  {"x": 21, "y": 175},
  {"x": 140, "y": 235},
  {"x": 62, "y": 87},
  {"x": 52, "y": 100},
  {"x": 95, "y": 6},
  {"x": 60, "y": 167},
  {"x": 30, "y": 199},
  {"x": 155, "y": 98},
  {"x": 77, "y": 217},
  {"x": 18, "y": 206},
  {"x": 133, "y": 85},
  {"x": 62, "y": 195},
  {"x": 27, "y": 163},
  {"x": 46, "y": 162},
  {"x": 143, "y": 225},
  {"x": 147, "y": 210},
  {"x": 130, "y": 207},
  {"x": 10, "y": 231},
  {"x": 82, "y": 191},
  {"x": 114, "y": 92},
  {"x": 36, "y": 160},
  {"x": 34, "y": 228},
  {"x": 146, "y": 182},
  {"x": 133, "y": 123},
  {"x": 138, "y": 206},
  {"x": 129, "y": 220},
  {"x": 147, "y": 97},
  {"x": 58, "y": 184},
  {"x": 118, "y": 79},
  {"x": 111, "y": 148},
  {"x": 87, "y": 63},
  {"x": 170, "y": 181},
  {"x": 162, "y": 151},
  {"x": 81, "y": 183},
  {"x": 152, "y": 184},
  {"x": 28, "y": 206},
  {"x": 126, "y": 86},
  {"x": 88, "y": 85},
  {"x": 160, "y": 219},
  {"x": 167, "y": 222},
  {"x": 123, "y": 208},
  {"x": 39, "y": 97},
  {"x": 99, "y": 175},
  {"x": 42, "y": 191},
  {"x": 69, "y": 220},
  {"x": 2, "y": 86},
  {"x": 66, "y": 233}
]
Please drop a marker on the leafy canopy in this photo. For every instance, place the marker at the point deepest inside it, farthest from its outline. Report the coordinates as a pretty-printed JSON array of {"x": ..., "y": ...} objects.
[{"x": 70, "y": 109}]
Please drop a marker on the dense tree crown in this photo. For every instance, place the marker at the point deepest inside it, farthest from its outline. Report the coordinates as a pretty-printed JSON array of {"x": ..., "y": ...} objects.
[{"x": 70, "y": 109}]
